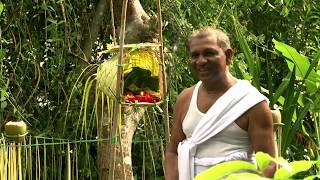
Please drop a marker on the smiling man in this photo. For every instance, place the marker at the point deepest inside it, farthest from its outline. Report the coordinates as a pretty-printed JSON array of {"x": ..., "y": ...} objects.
[{"x": 219, "y": 119}]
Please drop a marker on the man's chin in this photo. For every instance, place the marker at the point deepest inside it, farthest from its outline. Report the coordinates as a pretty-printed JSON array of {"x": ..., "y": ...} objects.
[
  {"x": 207, "y": 77},
  {"x": 204, "y": 74}
]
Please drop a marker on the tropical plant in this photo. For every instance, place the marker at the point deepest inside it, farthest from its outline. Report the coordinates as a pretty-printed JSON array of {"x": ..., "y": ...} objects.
[
  {"x": 295, "y": 95},
  {"x": 236, "y": 170},
  {"x": 304, "y": 99},
  {"x": 45, "y": 46}
]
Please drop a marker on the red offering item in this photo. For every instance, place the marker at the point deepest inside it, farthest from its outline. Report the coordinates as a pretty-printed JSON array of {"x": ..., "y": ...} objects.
[
  {"x": 130, "y": 97},
  {"x": 148, "y": 98},
  {"x": 156, "y": 98},
  {"x": 140, "y": 98},
  {"x": 143, "y": 97}
]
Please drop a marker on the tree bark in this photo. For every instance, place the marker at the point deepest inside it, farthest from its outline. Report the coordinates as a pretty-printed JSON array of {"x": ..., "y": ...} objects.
[
  {"x": 130, "y": 121},
  {"x": 138, "y": 22}
]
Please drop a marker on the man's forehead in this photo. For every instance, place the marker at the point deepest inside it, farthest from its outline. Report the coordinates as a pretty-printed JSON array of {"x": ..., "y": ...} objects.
[
  {"x": 210, "y": 39},
  {"x": 204, "y": 43}
]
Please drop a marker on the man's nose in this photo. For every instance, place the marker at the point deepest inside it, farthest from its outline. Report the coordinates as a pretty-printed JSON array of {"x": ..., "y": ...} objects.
[{"x": 201, "y": 60}]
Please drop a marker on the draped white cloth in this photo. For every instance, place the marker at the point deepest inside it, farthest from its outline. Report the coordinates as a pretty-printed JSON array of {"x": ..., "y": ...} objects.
[{"x": 230, "y": 106}]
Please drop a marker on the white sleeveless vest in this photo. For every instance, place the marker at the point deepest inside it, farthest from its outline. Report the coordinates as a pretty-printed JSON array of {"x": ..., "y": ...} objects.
[
  {"x": 213, "y": 137},
  {"x": 230, "y": 140}
]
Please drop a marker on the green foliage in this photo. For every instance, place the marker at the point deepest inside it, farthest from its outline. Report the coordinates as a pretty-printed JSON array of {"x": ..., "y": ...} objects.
[
  {"x": 234, "y": 169},
  {"x": 245, "y": 176},
  {"x": 303, "y": 69},
  {"x": 263, "y": 160},
  {"x": 1, "y": 7},
  {"x": 294, "y": 168},
  {"x": 307, "y": 77},
  {"x": 42, "y": 46},
  {"x": 223, "y": 169},
  {"x": 141, "y": 78},
  {"x": 301, "y": 77},
  {"x": 253, "y": 66}
]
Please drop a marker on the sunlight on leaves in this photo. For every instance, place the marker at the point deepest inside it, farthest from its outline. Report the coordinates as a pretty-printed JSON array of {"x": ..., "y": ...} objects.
[
  {"x": 1, "y": 7},
  {"x": 312, "y": 177},
  {"x": 221, "y": 170},
  {"x": 245, "y": 176},
  {"x": 295, "y": 167},
  {"x": 263, "y": 160},
  {"x": 301, "y": 62}
]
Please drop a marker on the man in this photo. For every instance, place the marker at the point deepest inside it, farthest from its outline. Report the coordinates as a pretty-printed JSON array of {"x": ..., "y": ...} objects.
[{"x": 220, "y": 118}]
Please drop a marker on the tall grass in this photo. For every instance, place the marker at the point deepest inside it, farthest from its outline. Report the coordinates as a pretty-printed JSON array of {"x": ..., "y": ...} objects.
[
  {"x": 28, "y": 159},
  {"x": 53, "y": 158}
]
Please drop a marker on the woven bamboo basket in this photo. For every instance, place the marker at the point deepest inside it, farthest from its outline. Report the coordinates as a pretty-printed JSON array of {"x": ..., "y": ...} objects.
[{"x": 142, "y": 72}]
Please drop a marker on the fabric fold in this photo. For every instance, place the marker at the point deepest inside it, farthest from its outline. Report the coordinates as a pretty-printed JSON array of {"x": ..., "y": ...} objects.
[{"x": 230, "y": 106}]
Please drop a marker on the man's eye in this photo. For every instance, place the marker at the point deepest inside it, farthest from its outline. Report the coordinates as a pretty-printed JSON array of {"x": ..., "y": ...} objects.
[
  {"x": 195, "y": 55},
  {"x": 209, "y": 54}
]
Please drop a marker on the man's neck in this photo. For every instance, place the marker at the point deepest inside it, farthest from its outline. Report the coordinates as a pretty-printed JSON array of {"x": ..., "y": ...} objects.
[{"x": 219, "y": 85}]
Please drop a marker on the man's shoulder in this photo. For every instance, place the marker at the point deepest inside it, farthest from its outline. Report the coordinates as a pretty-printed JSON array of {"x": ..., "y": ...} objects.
[
  {"x": 186, "y": 93},
  {"x": 259, "y": 110}
]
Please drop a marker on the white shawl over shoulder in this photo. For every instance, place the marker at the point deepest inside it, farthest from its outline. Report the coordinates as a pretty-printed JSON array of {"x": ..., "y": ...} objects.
[{"x": 230, "y": 106}]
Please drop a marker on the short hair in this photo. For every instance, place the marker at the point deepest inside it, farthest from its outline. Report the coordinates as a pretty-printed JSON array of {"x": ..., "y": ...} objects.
[{"x": 221, "y": 38}]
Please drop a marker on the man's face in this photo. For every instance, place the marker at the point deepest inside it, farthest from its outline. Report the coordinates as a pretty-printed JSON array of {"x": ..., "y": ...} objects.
[{"x": 208, "y": 59}]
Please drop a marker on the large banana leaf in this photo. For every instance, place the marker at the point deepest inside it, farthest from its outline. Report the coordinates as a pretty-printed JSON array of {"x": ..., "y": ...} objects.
[{"x": 304, "y": 70}]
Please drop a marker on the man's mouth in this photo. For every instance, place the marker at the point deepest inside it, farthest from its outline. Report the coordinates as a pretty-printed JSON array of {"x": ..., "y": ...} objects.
[{"x": 203, "y": 70}]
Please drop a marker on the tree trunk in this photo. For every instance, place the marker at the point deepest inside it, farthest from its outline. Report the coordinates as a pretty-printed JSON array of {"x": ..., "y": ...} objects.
[
  {"x": 138, "y": 22},
  {"x": 130, "y": 121}
]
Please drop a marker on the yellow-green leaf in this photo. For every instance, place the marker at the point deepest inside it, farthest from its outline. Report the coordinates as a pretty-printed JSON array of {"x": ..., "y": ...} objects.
[
  {"x": 295, "y": 167},
  {"x": 221, "y": 170},
  {"x": 263, "y": 160},
  {"x": 245, "y": 176}
]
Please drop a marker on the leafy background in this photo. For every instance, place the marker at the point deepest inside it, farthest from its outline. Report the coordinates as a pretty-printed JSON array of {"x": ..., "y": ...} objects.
[{"x": 42, "y": 56}]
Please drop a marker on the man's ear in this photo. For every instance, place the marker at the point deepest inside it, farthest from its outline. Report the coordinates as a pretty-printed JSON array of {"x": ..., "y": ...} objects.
[{"x": 229, "y": 54}]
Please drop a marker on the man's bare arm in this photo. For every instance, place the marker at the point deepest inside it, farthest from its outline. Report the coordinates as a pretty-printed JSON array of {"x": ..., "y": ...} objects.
[
  {"x": 177, "y": 135},
  {"x": 261, "y": 132}
]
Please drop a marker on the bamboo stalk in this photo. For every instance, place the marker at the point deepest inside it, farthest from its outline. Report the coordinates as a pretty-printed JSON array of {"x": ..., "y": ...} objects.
[
  {"x": 114, "y": 42},
  {"x": 6, "y": 173},
  {"x": 44, "y": 160},
  {"x": 1, "y": 159},
  {"x": 9, "y": 163},
  {"x": 19, "y": 161},
  {"x": 3, "y": 156},
  {"x": 161, "y": 140},
  {"x": 13, "y": 164},
  {"x": 60, "y": 163},
  {"x": 152, "y": 158},
  {"x": 30, "y": 158},
  {"x": 163, "y": 156},
  {"x": 164, "y": 82},
  {"x": 25, "y": 162},
  {"x": 54, "y": 162},
  {"x": 68, "y": 162},
  {"x": 143, "y": 162},
  {"x": 15, "y": 161},
  {"x": 317, "y": 126},
  {"x": 119, "y": 89},
  {"x": 76, "y": 171},
  {"x": 38, "y": 167}
]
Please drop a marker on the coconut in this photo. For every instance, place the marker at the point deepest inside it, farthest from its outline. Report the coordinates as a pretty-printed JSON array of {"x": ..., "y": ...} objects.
[
  {"x": 16, "y": 130},
  {"x": 276, "y": 116}
]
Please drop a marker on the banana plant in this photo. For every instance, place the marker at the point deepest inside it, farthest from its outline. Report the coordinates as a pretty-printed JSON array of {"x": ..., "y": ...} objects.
[
  {"x": 238, "y": 170},
  {"x": 296, "y": 95},
  {"x": 302, "y": 98}
]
